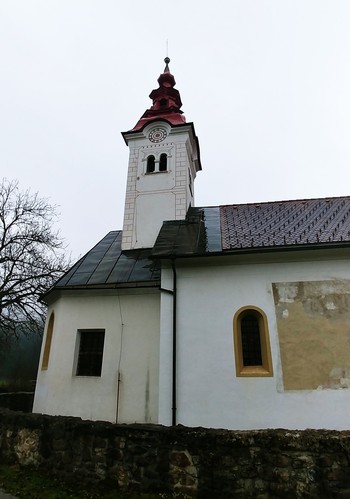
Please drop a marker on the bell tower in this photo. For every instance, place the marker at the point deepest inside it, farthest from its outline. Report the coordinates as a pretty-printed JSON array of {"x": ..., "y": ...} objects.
[{"x": 163, "y": 162}]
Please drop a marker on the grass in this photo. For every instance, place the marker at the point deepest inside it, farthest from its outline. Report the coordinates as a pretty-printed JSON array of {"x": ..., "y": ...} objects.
[{"x": 32, "y": 484}]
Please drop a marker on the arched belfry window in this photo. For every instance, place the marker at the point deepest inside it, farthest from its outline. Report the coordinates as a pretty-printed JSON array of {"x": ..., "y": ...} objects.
[
  {"x": 252, "y": 343},
  {"x": 163, "y": 162},
  {"x": 48, "y": 340},
  {"x": 151, "y": 162}
]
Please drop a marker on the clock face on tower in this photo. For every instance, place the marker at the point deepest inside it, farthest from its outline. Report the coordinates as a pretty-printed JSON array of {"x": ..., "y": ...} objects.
[{"x": 157, "y": 134}]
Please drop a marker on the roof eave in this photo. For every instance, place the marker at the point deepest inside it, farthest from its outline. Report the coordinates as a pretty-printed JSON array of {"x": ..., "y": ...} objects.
[
  {"x": 95, "y": 287},
  {"x": 253, "y": 250}
]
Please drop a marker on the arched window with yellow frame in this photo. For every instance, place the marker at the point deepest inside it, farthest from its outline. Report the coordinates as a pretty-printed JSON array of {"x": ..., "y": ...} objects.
[
  {"x": 252, "y": 342},
  {"x": 48, "y": 339}
]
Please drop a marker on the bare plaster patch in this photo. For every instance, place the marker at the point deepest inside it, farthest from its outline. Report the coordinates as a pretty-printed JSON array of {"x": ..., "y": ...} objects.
[
  {"x": 313, "y": 320},
  {"x": 287, "y": 292},
  {"x": 339, "y": 377},
  {"x": 285, "y": 313}
]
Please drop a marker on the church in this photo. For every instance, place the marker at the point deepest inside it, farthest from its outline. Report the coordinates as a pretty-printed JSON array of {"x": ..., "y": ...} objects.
[{"x": 234, "y": 316}]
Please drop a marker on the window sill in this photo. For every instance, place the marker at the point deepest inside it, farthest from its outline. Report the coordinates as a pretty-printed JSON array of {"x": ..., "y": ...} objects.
[
  {"x": 155, "y": 173},
  {"x": 258, "y": 371}
]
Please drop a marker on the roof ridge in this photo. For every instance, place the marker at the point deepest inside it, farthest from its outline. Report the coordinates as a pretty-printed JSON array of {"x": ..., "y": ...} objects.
[{"x": 282, "y": 201}]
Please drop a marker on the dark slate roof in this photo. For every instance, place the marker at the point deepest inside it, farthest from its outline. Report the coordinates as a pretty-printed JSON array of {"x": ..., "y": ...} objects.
[
  {"x": 248, "y": 227},
  {"x": 105, "y": 265}
]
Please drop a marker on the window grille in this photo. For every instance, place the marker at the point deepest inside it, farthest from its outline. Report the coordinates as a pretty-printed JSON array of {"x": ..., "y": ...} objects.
[
  {"x": 251, "y": 345},
  {"x": 90, "y": 353}
]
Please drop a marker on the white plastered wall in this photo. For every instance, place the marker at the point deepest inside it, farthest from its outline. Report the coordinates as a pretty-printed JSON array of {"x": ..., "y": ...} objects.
[
  {"x": 133, "y": 349},
  {"x": 208, "y": 391}
]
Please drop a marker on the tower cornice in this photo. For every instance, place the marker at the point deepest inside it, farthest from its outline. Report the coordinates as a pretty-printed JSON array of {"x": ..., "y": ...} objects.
[{"x": 175, "y": 129}]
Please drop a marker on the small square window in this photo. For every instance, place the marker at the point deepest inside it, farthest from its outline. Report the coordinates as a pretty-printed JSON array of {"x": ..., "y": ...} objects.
[{"x": 91, "y": 342}]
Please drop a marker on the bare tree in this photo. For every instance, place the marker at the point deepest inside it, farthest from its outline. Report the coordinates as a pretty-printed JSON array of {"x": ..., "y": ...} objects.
[{"x": 31, "y": 258}]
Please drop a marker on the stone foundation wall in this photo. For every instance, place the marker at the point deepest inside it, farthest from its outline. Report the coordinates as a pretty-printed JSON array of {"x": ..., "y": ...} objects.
[{"x": 199, "y": 462}]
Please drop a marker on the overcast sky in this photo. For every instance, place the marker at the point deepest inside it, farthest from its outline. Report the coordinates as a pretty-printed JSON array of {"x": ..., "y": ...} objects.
[{"x": 266, "y": 83}]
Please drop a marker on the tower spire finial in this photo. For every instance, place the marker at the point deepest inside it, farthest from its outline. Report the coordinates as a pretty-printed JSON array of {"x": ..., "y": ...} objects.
[
  {"x": 166, "y": 101},
  {"x": 167, "y": 60}
]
